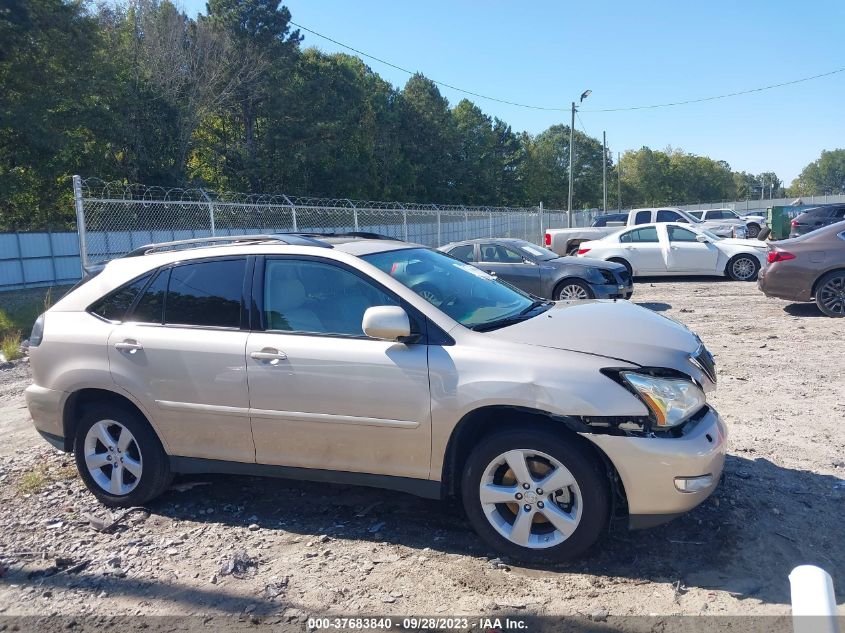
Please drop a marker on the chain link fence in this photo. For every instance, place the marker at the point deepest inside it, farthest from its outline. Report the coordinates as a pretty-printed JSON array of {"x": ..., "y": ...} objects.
[{"x": 115, "y": 218}]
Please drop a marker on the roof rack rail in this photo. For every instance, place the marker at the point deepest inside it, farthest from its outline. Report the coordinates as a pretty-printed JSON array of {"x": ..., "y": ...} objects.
[
  {"x": 365, "y": 235},
  {"x": 295, "y": 239}
]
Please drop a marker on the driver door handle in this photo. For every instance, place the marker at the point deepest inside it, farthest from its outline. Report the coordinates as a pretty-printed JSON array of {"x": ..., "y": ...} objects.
[
  {"x": 129, "y": 346},
  {"x": 268, "y": 353}
]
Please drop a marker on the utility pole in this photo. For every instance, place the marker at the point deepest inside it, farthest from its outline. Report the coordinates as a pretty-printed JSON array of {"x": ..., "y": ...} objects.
[
  {"x": 604, "y": 170},
  {"x": 619, "y": 181},
  {"x": 571, "y": 143}
]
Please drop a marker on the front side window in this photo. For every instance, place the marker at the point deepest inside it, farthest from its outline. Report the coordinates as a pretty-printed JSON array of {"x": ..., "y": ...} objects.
[
  {"x": 499, "y": 254},
  {"x": 308, "y": 296},
  {"x": 677, "y": 234},
  {"x": 113, "y": 306},
  {"x": 206, "y": 294},
  {"x": 465, "y": 252},
  {"x": 468, "y": 295},
  {"x": 669, "y": 216}
]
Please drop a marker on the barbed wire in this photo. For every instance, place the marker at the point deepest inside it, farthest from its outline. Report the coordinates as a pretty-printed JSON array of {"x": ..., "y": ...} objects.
[{"x": 98, "y": 189}]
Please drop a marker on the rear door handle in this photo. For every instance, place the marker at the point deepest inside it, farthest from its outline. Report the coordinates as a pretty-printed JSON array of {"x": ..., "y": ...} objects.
[
  {"x": 269, "y": 353},
  {"x": 128, "y": 346}
]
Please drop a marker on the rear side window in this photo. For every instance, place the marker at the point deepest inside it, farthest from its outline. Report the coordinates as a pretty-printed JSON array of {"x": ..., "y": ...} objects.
[
  {"x": 114, "y": 305},
  {"x": 206, "y": 294},
  {"x": 150, "y": 306},
  {"x": 647, "y": 234},
  {"x": 642, "y": 217}
]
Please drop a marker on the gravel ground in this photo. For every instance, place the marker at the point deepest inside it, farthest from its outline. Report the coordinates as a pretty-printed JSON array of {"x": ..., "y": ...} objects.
[{"x": 222, "y": 546}]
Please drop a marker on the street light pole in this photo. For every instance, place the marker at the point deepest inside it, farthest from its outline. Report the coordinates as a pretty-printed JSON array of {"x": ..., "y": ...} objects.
[
  {"x": 604, "y": 170},
  {"x": 571, "y": 143}
]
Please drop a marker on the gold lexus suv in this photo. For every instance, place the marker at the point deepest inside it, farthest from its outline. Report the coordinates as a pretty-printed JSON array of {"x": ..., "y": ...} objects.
[{"x": 364, "y": 360}]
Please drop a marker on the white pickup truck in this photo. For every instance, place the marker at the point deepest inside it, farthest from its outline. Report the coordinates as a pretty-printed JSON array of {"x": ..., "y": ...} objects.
[{"x": 566, "y": 241}]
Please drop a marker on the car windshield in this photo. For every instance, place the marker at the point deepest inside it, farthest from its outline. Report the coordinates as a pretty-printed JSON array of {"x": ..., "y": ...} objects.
[
  {"x": 711, "y": 235},
  {"x": 532, "y": 251},
  {"x": 467, "y": 294}
]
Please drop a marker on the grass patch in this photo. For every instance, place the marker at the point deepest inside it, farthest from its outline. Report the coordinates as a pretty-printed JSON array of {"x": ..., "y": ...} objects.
[
  {"x": 20, "y": 308},
  {"x": 39, "y": 478},
  {"x": 10, "y": 345}
]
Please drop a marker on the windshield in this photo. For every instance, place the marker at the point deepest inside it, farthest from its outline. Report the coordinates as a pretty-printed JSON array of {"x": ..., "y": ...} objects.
[
  {"x": 712, "y": 236},
  {"x": 467, "y": 294},
  {"x": 532, "y": 251}
]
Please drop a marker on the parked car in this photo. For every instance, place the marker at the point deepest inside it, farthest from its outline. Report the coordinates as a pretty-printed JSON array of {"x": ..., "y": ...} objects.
[
  {"x": 312, "y": 359},
  {"x": 567, "y": 241},
  {"x": 752, "y": 223},
  {"x": 678, "y": 249},
  {"x": 816, "y": 218},
  {"x": 809, "y": 267},
  {"x": 544, "y": 273}
]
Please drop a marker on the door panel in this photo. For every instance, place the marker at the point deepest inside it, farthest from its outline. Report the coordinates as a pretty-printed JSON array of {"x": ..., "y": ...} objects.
[
  {"x": 348, "y": 404},
  {"x": 643, "y": 251},
  {"x": 193, "y": 383},
  {"x": 686, "y": 254},
  {"x": 509, "y": 266}
]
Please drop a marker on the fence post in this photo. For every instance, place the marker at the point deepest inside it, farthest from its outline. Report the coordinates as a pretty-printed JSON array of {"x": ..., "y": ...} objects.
[
  {"x": 210, "y": 213},
  {"x": 20, "y": 259},
  {"x": 354, "y": 214},
  {"x": 490, "y": 222},
  {"x": 292, "y": 211},
  {"x": 439, "y": 242},
  {"x": 404, "y": 223},
  {"x": 80, "y": 223},
  {"x": 466, "y": 225}
]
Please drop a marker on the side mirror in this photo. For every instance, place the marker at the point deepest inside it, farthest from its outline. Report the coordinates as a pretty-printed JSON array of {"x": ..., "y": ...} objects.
[
  {"x": 386, "y": 323},
  {"x": 701, "y": 238}
]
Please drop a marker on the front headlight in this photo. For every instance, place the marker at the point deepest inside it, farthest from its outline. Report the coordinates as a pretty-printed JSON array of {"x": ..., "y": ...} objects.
[{"x": 671, "y": 400}]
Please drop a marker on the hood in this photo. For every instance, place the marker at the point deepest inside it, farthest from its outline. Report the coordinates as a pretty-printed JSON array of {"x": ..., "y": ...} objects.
[
  {"x": 562, "y": 262},
  {"x": 618, "y": 330}
]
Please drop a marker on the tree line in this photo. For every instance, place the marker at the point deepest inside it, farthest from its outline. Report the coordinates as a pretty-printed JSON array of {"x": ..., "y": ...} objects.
[{"x": 140, "y": 92}]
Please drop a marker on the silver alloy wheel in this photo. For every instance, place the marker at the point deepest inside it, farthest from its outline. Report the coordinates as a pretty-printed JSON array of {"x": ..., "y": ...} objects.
[
  {"x": 572, "y": 292},
  {"x": 113, "y": 457},
  {"x": 743, "y": 268},
  {"x": 832, "y": 294},
  {"x": 530, "y": 498}
]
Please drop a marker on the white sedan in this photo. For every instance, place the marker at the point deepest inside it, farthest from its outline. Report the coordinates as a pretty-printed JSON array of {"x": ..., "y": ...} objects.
[{"x": 670, "y": 248}]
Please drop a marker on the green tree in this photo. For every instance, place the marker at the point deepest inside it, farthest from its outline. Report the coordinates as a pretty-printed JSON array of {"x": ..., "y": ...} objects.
[{"x": 823, "y": 176}]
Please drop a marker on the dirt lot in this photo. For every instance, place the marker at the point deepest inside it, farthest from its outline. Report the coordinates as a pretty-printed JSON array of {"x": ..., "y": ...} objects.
[{"x": 271, "y": 548}]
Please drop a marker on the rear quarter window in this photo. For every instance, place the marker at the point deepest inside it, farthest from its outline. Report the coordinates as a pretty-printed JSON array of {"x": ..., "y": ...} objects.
[{"x": 115, "y": 305}]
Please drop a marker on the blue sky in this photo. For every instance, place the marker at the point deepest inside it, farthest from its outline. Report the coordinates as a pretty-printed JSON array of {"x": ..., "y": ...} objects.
[{"x": 628, "y": 53}]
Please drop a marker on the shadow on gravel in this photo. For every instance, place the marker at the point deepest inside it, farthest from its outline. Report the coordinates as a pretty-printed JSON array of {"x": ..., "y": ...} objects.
[
  {"x": 761, "y": 522},
  {"x": 656, "y": 306},
  {"x": 804, "y": 310}
]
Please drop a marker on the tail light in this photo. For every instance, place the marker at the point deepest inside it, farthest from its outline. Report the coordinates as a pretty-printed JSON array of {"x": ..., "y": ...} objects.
[
  {"x": 548, "y": 239},
  {"x": 583, "y": 251},
  {"x": 779, "y": 256},
  {"x": 794, "y": 223}
]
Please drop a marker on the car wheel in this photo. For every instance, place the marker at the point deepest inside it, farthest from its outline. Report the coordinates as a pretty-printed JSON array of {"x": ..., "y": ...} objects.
[
  {"x": 743, "y": 268},
  {"x": 830, "y": 294},
  {"x": 764, "y": 233},
  {"x": 619, "y": 260},
  {"x": 573, "y": 290},
  {"x": 752, "y": 231},
  {"x": 573, "y": 249},
  {"x": 119, "y": 456},
  {"x": 533, "y": 496}
]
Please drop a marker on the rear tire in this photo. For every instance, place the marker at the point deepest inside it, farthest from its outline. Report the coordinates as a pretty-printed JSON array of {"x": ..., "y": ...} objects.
[
  {"x": 752, "y": 231},
  {"x": 743, "y": 267},
  {"x": 532, "y": 524},
  {"x": 572, "y": 249},
  {"x": 619, "y": 260},
  {"x": 830, "y": 294},
  {"x": 119, "y": 456},
  {"x": 764, "y": 233}
]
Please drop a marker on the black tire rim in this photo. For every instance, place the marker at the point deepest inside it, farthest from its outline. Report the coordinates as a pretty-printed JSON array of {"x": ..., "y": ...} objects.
[{"x": 832, "y": 295}]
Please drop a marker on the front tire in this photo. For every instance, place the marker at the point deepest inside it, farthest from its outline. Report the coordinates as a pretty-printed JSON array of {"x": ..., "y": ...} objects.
[
  {"x": 573, "y": 290},
  {"x": 534, "y": 496},
  {"x": 830, "y": 294},
  {"x": 119, "y": 456},
  {"x": 743, "y": 268}
]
